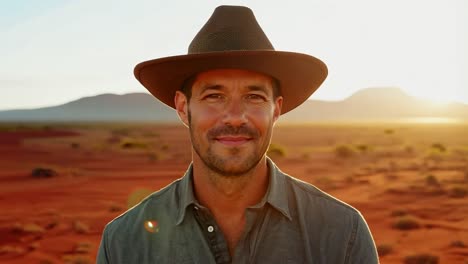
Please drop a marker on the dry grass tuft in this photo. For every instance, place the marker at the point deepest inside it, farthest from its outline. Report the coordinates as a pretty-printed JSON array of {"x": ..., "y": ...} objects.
[
  {"x": 83, "y": 247},
  {"x": 421, "y": 259},
  {"x": 80, "y": 227},
  {"x": 30, "y": 228}
]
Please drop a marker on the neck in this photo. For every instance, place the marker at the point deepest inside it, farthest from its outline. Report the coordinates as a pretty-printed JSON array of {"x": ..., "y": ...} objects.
[{"x": 229, "y": 194}]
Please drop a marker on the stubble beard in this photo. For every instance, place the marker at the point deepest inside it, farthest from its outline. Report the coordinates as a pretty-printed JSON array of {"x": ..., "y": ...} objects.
[{"x": 234, "y": 164}]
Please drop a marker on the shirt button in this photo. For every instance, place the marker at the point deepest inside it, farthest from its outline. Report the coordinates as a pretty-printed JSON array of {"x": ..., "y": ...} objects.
[{"x": 210, "y": 229}]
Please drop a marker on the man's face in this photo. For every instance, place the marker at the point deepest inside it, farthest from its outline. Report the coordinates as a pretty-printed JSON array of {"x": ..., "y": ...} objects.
[{"x": 230, "y": 115}]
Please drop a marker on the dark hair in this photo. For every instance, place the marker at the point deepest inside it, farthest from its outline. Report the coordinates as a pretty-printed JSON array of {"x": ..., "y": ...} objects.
[{"x": 186, "y": 88}]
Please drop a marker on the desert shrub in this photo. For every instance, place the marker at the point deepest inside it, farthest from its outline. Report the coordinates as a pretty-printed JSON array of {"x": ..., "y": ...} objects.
[
  {"x": 344, "y": 151},
  {"x": 75, "y": 145},
  {"x": 137, "y": 196},
  {"x": 458, "y": 192},
  {"x": 432, "y": 180},
  {"x": 421, "y": 259},
  {"x": 406, "y": 223},
  {"x": 439, "y": 147},
  {"x": 80, "y": 227},
  {"x": 389, "y": 131},
  {"x": 384, "y": 249},
  {"x": 275, "y": 150},
  {"x": 457, "y": 244},
  {"x": 133, "y": 144},
  {"x": 41, "y": 172},
  {"x": 363, "y": 148}
]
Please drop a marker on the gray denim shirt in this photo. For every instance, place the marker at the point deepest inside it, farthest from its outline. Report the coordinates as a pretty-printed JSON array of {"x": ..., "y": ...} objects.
[{"x": 294, "y": 223}]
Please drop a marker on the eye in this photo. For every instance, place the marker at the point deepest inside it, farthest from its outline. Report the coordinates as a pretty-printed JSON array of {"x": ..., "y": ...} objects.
[
  {"x": 213, "y": 97},
  {"x": 256, "y": 98}
]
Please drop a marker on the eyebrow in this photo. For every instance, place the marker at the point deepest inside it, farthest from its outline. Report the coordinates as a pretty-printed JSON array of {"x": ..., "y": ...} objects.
[
  {"x": 260, "y": 88},
  {"x": 218, "y": 87},
  {"x": 211, "y": 87}
]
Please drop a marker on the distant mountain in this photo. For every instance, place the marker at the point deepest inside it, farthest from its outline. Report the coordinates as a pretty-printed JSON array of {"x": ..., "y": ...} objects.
[
  {"x": 104, "y": 107},
  {"x": 366, "y": 104},
  {"x": 376, "y": 104}
]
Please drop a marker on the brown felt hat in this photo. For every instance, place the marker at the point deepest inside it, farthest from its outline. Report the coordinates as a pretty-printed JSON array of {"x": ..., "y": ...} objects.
[{"x": 232, "y": 39}]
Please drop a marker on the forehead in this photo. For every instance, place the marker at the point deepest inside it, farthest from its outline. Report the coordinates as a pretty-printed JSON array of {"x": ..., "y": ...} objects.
[{"x": 227, "y": 76}]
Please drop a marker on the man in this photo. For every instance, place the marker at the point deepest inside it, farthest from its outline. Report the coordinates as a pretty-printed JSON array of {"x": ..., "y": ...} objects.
[{"x": 234, "y": 205}]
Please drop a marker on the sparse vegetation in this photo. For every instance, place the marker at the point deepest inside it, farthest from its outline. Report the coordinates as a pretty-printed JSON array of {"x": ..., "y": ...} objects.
[
  {"x": 439, "y": 147},
  {"x": 421, "y": 259},
  {"x": 41, "y": 172},
  {"x": 83, "y": 247},
  {"x": 457, "y": 244},
  {"x": 80, "y": 227},
  {"x": 137, "y": 196},
  {"x": 458, "y": 192},
  {"x": 431, "y": 180},
  {"x": 363, "y": 148},
  {"x": 133, "y": 144},
  {"x": 275, "y": 150},
  {"x": 406, "y": 223},
  {"x": 29, "y": 228},
  {"x": 344, "y": 151},
  {"x": 384, "y": 249}
]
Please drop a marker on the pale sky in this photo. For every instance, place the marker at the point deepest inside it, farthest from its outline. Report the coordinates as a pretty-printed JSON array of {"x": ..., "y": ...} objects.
[{"x": 56, "y": 51}]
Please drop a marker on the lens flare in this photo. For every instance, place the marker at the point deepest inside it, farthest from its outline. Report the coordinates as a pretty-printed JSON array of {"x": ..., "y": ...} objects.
[{"x": 151, "y": 226}]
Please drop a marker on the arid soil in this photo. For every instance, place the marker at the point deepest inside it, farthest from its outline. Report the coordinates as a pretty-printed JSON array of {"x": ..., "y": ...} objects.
[{"x": 61, "y": 183}]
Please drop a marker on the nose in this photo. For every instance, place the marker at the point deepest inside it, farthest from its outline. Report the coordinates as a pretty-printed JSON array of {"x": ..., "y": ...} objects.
[{"x": 234, "y": 114}]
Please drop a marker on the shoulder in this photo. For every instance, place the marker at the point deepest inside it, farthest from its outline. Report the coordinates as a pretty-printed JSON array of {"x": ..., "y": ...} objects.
[
  {"x": 308, "y": 199},
  {"x": 160, "y": 205}
]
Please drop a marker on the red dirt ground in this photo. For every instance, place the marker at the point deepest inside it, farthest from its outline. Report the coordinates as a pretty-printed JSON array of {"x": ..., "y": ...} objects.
[{"x": 392, "y": 171}]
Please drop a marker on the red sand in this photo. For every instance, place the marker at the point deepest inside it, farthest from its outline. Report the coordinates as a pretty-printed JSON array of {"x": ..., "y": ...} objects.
[{"x": 61, "y": 218}]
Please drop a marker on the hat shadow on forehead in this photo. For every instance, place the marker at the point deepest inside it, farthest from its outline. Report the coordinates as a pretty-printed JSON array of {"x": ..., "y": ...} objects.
[{"x": 233, "y": 39}]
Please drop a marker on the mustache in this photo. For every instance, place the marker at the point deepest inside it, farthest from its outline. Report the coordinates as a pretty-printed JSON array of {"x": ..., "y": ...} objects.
[{"x": 229, "y": 130}]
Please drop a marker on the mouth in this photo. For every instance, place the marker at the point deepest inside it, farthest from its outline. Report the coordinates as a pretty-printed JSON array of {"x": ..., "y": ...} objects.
[{"x": 233, "y": 140}]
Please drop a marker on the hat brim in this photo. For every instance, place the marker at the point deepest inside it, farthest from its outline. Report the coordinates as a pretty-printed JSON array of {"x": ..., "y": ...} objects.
[{"x": 299, "y": 75}]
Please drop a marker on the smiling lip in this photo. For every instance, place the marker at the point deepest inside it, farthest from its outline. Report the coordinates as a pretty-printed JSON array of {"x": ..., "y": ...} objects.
[{"x": 233, "y": 140}]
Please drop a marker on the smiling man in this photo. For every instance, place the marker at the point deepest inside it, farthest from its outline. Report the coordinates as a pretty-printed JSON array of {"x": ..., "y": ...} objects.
[{"x": 234, "y": 205}]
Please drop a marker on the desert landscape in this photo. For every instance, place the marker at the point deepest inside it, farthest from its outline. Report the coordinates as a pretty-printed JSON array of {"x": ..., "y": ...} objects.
[{"x": 61, "y": 183}]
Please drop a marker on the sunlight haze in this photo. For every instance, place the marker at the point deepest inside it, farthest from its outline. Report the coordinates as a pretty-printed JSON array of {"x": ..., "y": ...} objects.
[{"x": 53, "y": 52}]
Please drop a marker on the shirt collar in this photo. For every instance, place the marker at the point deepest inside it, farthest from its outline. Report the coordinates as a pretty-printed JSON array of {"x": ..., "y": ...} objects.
[{"x": 276, "y": 194}]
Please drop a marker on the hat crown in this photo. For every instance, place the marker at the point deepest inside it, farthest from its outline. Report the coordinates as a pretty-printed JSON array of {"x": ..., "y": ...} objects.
[{"x": 230, "y": 28}]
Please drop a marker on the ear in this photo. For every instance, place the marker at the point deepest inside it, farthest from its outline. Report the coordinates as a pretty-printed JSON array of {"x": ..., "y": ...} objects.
[
  {"x": 277, "y": 110},
  {"x": 181, "y": 106}
]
